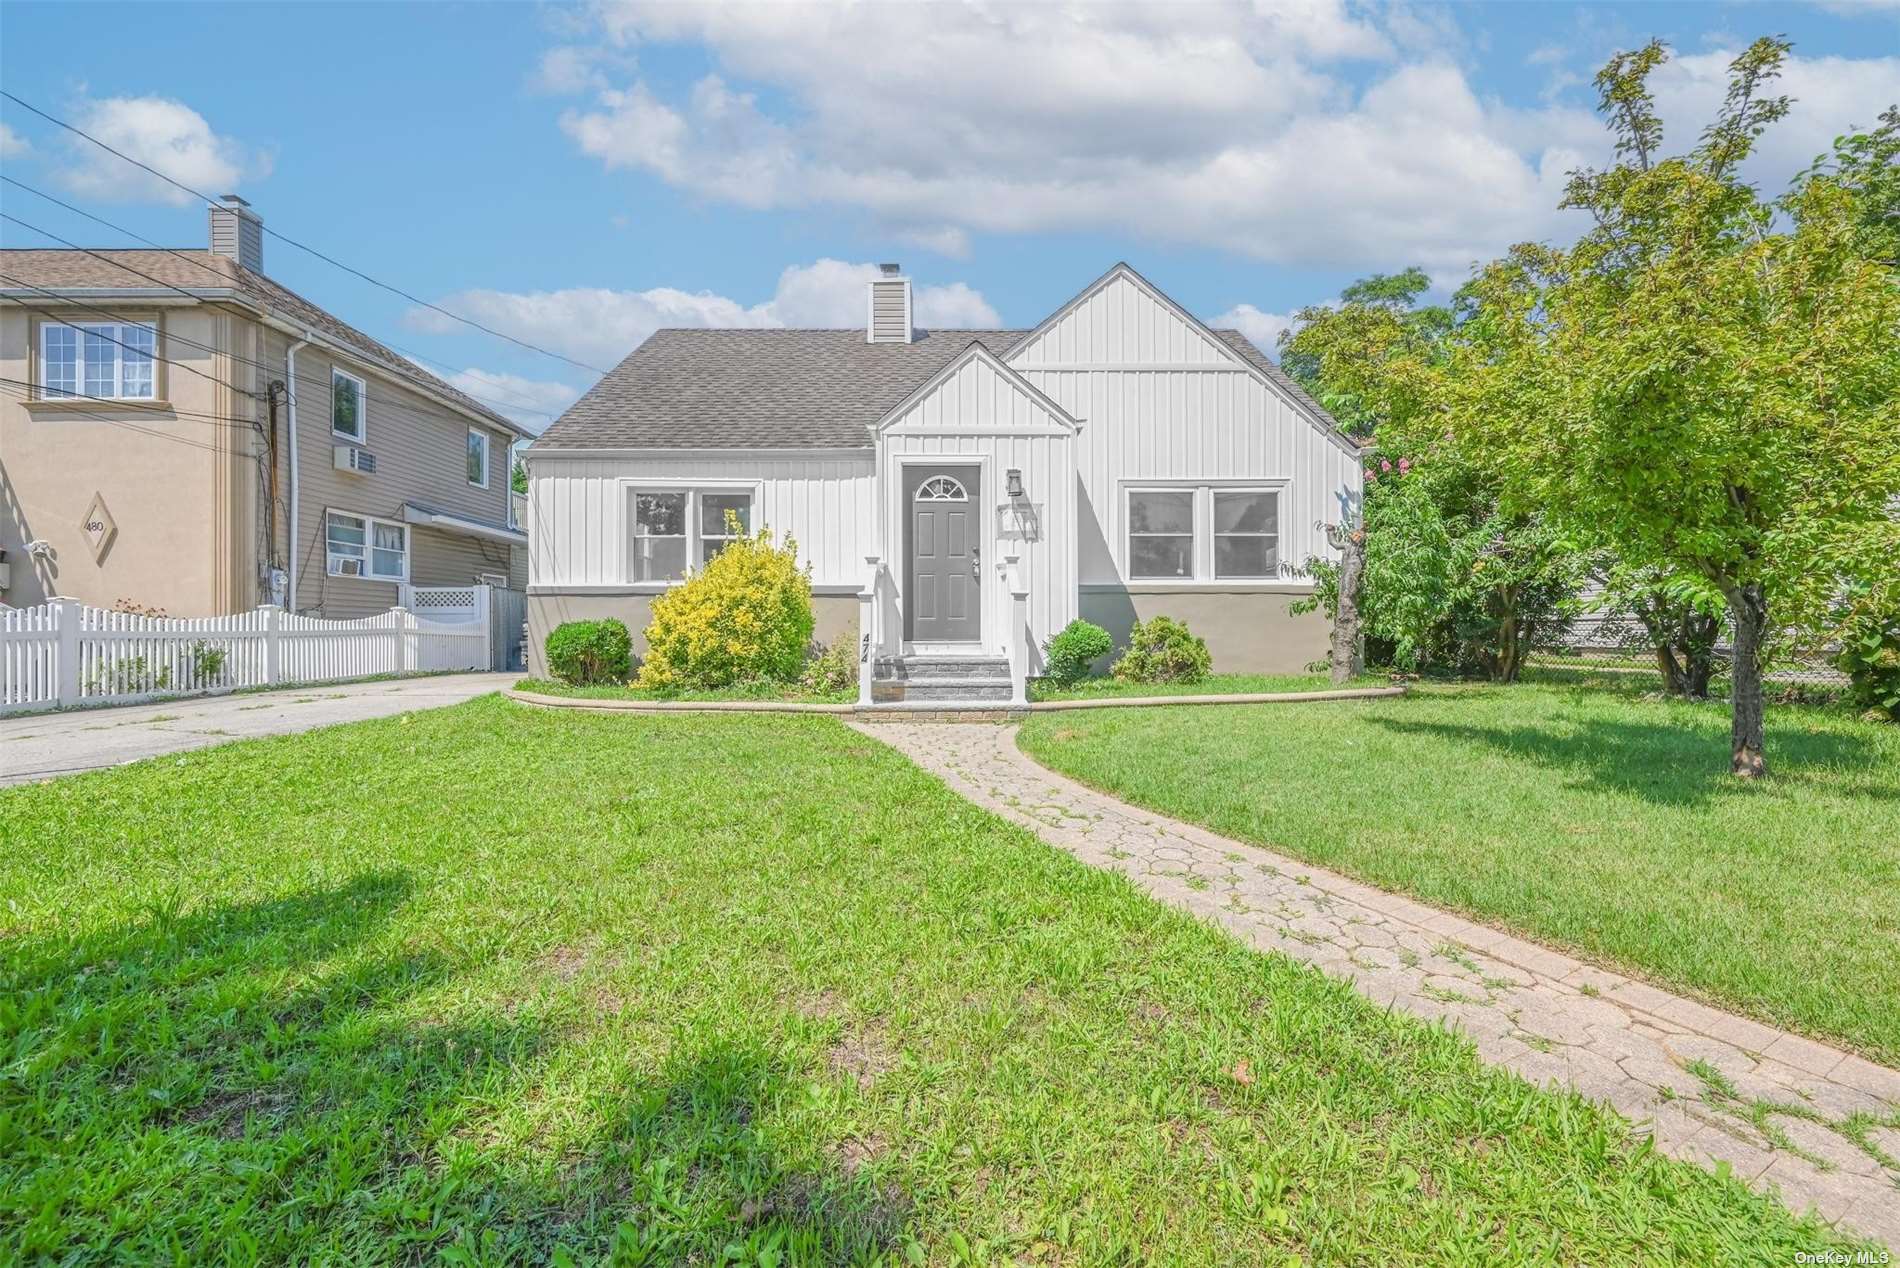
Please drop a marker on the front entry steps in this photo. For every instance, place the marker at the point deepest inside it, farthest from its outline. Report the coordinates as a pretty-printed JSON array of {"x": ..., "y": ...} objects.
[{"x": 949, "y": 680}]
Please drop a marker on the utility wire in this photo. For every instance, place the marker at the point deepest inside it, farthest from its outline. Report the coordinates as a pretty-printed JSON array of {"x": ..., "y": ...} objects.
[
  {"x": 310, "y": 250},
  {"x": 43, "y": 392},
  {"x": 119, "y": 422},
  {"x": 221, "y": 278}
]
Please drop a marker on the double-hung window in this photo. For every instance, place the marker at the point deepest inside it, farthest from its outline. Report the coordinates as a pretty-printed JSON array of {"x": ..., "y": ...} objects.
[
  {"x": 478, "y": 457},
  {"x": 674, "y": 529},
  {"x": 348, "y": 397},
  {"x": 1203, "y": 532},
  {"x": 362, "y": 546},
  {"x": 111, "y": 359}
]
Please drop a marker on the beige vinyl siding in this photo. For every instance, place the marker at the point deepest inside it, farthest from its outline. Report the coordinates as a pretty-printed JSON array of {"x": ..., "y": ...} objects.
[{"x": 421, "y": 452}]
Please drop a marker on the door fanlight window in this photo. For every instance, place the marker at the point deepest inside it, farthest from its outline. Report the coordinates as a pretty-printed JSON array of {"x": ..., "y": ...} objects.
[{"x": 942, "y": 489}]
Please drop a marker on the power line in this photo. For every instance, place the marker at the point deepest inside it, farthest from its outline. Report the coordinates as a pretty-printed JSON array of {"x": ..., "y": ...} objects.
[
  {"x": 152, "y": 355},
  {"x": 221, "y": 278},
  {"x": 119, "y": 422},
  {"x": 47, "y": 392},
  {"x": 354, "y": 272}
]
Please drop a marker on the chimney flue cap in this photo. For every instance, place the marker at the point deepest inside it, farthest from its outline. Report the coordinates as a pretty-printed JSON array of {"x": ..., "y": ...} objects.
[
  {"x": 234, "y": 200},
  {"x": 889, "y": 270}
]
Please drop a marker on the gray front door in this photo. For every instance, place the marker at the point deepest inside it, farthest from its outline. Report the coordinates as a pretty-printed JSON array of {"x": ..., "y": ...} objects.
[{"x": 942, "y": 603}]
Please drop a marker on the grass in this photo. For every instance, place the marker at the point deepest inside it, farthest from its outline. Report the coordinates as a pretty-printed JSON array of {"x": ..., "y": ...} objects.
[
  {"x": 1576, "y": 810},
  {"x": 735, "y": 989},
  {"x": 1212, "y": 685},
  {"x": 792, "y": 692}
]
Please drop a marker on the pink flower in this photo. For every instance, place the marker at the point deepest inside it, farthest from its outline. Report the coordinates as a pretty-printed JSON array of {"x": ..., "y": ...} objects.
[
  {"x": 1405, "y": 464},
  {"x": 1385, "y": 465},
  {"x": 1369, "y": 474}
]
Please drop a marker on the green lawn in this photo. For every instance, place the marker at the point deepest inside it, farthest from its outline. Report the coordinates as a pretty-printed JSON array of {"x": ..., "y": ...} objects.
[
  {"x": 745, "y": 989},
  {"x": 1212, "y": 685},
  {"x": 791, "y": 692},
  {"x": 1576, "y": 810}
]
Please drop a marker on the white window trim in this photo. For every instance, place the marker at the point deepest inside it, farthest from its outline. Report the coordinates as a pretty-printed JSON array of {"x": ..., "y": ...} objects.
[
  {"x": 1203, "y": 550},
  {"x": 477, "y": 433},
  {"x": 369, "y": 546},
  {"x": 362, "y": 406},
  {"x": 78, "y": 390},
  {"x": 692, "y": 489}
]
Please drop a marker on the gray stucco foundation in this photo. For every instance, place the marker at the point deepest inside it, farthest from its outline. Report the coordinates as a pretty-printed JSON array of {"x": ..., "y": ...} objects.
[
  {"x": 1247, "y": 631},
  {"x": 834, "y": 615}
]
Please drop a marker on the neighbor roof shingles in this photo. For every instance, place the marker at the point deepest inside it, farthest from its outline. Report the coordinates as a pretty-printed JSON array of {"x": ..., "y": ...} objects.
[
  {"x": 782, "y": 389},
  {"x": 194, "y": 270}
]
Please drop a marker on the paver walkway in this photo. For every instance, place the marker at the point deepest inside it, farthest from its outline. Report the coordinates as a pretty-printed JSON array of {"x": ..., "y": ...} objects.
[{"x": 1820, "y": 1125}]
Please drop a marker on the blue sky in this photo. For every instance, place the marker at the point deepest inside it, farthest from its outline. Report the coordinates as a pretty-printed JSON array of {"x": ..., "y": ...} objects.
[{"x": 579, "y": 175}]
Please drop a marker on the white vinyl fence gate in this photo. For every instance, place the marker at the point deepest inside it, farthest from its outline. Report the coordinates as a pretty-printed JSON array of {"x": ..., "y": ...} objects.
[{"x": 65, "y": 653}]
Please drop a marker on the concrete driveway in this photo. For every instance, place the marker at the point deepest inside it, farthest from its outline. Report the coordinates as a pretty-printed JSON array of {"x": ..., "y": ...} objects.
[{"x": 48, "y": 745}]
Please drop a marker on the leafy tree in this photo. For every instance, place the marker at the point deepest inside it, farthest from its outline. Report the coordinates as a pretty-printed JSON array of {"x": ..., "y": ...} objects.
[
  {"x": 1451, "y": 579},
  {"x": 1718, "y": 386}
]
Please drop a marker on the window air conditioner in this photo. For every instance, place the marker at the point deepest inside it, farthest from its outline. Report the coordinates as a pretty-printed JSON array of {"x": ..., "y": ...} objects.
[{"x": 350, "y": 458}]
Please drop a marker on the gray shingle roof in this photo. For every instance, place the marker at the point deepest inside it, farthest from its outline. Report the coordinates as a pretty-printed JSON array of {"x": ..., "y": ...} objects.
[
  {"x": 197, "y": 270},
  {"x": 780, "y": 389},
  {"x": 756, "y": 389}
]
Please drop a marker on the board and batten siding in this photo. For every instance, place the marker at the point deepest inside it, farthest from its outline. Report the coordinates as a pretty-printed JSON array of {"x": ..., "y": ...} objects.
[
  {"x": 579, "y": 510},
  {"x": 978, "y": 414},
  {"x": 1159, "y": 400}
]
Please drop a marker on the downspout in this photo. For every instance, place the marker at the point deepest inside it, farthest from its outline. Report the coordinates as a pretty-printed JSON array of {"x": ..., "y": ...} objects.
[{"x": 294, "y": 546}]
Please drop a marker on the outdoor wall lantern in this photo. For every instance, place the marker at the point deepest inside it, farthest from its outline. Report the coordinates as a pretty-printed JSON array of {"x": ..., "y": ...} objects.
[{"x": 1013, "y": 482}]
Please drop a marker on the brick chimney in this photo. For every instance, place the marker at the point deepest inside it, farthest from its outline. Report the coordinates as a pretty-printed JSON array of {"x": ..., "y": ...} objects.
[{"x": 237, "y": 233}]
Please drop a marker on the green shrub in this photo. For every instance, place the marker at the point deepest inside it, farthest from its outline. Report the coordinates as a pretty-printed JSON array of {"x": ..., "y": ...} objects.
[
  {"x": 1163, "y": 649},
  {"x": 1870, "y": 657},
  {"x": 834, "y": 668},
  {"x": 1067, "y": 656},
  {"x": 744, "y": 617},
  {"x": 583, "y": 652}
]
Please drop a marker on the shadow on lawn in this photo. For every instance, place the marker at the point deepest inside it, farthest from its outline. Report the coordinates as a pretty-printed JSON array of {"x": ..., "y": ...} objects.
[
  {"x": 241, "y": 1076},
  {"x": 1668, "y": 765}
]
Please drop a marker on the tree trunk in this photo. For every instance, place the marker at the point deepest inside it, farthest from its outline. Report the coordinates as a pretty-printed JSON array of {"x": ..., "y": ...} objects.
[
  {"x": 1749, "y": 609},
  {"x": 1699, "y": 632},
  {"x": 1348, "y": 655}
]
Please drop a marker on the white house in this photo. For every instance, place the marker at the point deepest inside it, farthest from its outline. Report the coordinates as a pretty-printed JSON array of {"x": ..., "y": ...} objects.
[{"x": 959, "y": 495}]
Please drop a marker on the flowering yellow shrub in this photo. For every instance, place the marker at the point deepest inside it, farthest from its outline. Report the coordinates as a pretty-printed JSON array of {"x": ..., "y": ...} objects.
[{"x": 745, "y": 617}]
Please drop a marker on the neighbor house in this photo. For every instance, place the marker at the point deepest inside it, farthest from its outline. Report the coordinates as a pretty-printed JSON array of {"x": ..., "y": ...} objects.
[
  {"x": 961, "y": 494},
  {"x": 180, "y": 432}
]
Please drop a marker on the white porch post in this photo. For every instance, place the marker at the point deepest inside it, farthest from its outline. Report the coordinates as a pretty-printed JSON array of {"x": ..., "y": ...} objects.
[
  {"x": 1018, "y": 629},
  {"x": 482, "y": 600},
  {"x": 869, "y": 642}
]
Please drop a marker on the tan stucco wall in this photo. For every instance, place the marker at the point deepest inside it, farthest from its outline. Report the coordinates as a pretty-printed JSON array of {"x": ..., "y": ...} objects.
[
  {"x": 1247, "y": 632},
  {"x": 834, "y": 615},
  {"x": 178, "y": 475}
]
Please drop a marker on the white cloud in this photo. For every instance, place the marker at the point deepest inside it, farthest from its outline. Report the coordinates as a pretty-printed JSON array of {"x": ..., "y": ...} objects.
[
  {"x": 1263, "y": 329},
  {"x": 12, "y": 144},
  {"x": 1237, "y": 131},
  {"x": 600, "y": 326},
  {"x": 1831, "y": 95},
  {"x": 164, "y": 133},
  {"x": 534, "y": 403}
]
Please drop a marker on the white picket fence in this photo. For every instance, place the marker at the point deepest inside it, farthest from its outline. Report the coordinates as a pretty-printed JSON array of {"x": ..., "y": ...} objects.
[{"x": 66, "y": 653}]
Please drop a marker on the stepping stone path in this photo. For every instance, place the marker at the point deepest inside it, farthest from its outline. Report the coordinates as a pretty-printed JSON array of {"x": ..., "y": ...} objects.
[{"x": 1784, "y": 1112}]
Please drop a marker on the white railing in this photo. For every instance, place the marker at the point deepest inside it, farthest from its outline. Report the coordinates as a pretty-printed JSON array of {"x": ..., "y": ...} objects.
[{"x": 65, "y": 653}]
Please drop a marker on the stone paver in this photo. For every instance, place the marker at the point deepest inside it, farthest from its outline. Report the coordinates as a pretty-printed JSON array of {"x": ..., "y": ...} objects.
[{"x": 1703, "y": 1083}]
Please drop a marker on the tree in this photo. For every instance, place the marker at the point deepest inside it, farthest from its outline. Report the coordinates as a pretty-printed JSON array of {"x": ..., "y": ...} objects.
[
  {"x": 1452, "y": 581},
  {"x": 1720, "y": 389}
]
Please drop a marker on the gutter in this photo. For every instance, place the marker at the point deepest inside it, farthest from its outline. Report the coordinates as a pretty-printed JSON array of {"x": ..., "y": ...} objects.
[{"x": 291, "y": 556}]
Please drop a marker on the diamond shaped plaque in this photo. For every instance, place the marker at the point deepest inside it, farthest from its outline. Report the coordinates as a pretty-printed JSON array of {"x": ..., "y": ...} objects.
[{"x": 99, "y": 527}]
